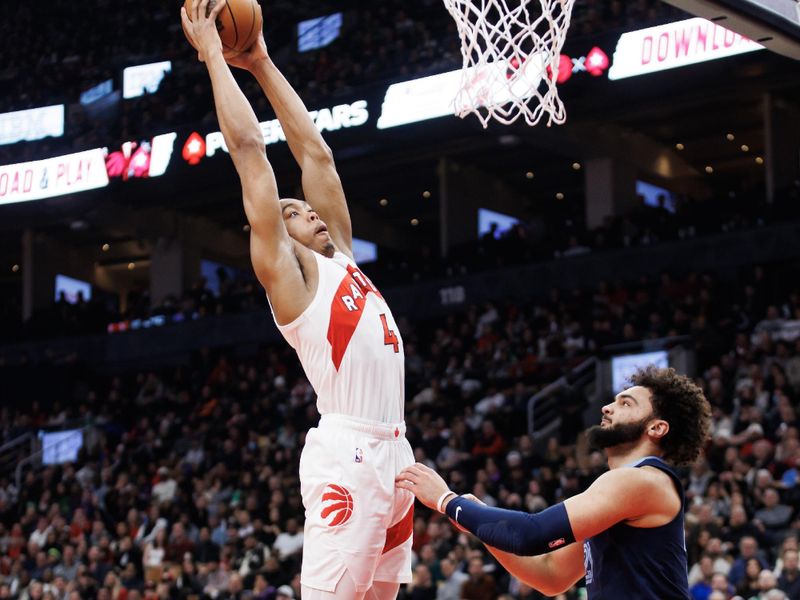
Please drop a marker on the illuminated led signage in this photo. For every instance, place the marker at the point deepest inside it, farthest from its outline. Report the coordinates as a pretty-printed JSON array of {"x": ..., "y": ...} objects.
[
  {"x": 32, "y": 124},
  {"x": 343, "y": 116},
  {"x": 143, "y": 79},
  {"x": 675, "y": 45},
  {"x": 149, "y": 158},
  {"x": 53, "y": 177}
]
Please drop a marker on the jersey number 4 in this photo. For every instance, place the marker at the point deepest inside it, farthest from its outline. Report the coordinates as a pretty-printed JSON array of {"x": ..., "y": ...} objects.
[{"x": 389, "y": 337}]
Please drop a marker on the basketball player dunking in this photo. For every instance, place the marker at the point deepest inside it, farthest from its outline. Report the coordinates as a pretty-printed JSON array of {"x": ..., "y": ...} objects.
[
  {"x": 357, "y": 536},
  {"x": 630, "y": 520}
]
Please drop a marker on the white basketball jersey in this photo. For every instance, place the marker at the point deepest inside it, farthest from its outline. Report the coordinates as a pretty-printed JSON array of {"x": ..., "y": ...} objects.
[{"x": 349, "y": 345}]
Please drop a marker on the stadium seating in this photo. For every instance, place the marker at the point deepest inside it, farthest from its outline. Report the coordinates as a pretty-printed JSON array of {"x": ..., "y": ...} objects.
[{"x": 188, "y": 483}]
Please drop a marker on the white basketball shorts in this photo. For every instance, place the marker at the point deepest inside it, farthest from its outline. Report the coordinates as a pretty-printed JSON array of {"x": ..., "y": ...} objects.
[{"x": 356, "y": 520}]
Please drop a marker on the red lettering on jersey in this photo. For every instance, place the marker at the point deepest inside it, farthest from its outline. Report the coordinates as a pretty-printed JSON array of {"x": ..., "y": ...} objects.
[
  {"x": 351, "y": 304},
  {"x": 346, "y": 310},
  {"x": 363, "y": 281}
]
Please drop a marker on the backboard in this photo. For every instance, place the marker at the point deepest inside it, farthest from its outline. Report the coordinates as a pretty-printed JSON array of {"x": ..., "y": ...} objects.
[{"x": 773, "y": 23}]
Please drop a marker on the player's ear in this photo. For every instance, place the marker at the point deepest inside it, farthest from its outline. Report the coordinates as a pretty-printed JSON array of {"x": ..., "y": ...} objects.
[{"x": 657, "y": 428}]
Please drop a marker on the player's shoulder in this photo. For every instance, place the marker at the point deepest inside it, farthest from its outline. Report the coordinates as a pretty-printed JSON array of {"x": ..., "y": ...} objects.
[
  {"x": 346, "y": 254},
  {"x": 642, "y": 479},
  {"x": 646, "y": 492}
]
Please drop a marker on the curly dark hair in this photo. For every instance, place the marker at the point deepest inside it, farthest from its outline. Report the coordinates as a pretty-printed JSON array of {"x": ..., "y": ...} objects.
[{"x": 682, "y": 404}]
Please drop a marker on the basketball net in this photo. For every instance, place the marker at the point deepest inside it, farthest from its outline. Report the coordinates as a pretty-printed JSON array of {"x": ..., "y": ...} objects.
[{"x": 511, "y": 58}]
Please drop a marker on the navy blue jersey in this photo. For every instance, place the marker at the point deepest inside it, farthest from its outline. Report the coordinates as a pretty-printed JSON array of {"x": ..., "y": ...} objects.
[{"x": 636, "y": 562}]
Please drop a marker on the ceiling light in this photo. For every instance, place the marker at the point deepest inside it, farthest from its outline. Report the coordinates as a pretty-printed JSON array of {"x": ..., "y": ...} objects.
[
  {"x": 414, "y": 222},
  {"x": 576, "y": 166},
  {"x": 15, "y": 269},
  {"x": 383, "y": 202},
  {"x": 709, "y": 169},
  {"x": 105, "y": 247},
  {"x": 529, "y": 174},
  {"x": 559, "y": 196},
  {"x": 759, "y": 160},
  {"x": 426, "y": 194},
  {"x": 745, "y": 148},
  {"x": 730, "y": 137},
  {"x": 131, "y": 266},
  {"x": 679, "y": 146}
]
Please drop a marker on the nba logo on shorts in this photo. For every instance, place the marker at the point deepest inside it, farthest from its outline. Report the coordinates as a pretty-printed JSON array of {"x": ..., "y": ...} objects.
[
  {"x": 359, "y": 455},
  {"x": 336, "y": 502}
]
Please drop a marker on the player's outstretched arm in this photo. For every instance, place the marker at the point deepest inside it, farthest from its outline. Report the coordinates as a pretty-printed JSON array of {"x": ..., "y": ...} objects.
[
  {"x": 272, "y": 249},
  {"x": 550, "y": 574},
  {"x": 637, "y": 496},
  {"x": 321, "y": 183}
]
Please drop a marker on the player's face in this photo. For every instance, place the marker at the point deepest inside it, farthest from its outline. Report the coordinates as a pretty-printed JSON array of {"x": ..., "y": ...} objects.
[
  {"x": 632, "y": 404},
  {"x": 625, "y": 420},
  {"x": 305, "y": 226}
]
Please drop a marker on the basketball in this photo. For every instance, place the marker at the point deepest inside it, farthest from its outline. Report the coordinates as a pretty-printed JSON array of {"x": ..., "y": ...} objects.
[{"x": 238, "y": 24}]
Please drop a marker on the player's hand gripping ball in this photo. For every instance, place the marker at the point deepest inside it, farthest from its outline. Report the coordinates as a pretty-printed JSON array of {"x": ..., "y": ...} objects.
[{"x": 238, "y": 24}]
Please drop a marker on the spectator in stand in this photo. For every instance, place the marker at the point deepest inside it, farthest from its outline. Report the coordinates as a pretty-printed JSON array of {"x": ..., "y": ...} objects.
[
  {"x": 236, "y": 414},
  {"x": 154, "y": 556},
  {"x": 480, "y": 585},
  {"x": 766, "y": 585},
  {"x": 452, "y": 580},
  {"x": 738, "y": 529},
  {"x": 701, "y": 587},
  {"x": 421, "y": 586},
  {"x": 789, "y": 579},
  {"x": 290, "y": 542},
  {"x": 775, "y": 516},
  {"x": 748, "y": 584},
  {"x": 490, "y": 443},
  {"x": 720, "y": 584}
]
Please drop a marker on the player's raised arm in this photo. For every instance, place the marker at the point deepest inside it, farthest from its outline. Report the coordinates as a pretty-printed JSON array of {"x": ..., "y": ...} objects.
[
  {"x": 271, "y": 247},
  {"x": 321, "y": 183}
]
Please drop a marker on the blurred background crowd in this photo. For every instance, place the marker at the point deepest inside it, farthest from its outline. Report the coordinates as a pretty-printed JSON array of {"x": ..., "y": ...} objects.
[
  {"x": 187, "y": 485},
  {"x": 530, "y": 242}
]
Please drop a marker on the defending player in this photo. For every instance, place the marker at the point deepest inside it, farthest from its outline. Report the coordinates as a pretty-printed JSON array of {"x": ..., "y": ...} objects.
[
  {"x": 630, "y": 520},
  {"x": 357, "y": 537}
]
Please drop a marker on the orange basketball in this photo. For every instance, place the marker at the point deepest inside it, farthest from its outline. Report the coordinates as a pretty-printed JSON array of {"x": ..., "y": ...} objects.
[{"x": 238, "y": 24}]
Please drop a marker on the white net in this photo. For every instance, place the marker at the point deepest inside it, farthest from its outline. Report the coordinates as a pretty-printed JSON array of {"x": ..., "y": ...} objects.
[{"x": 511, "y": 52}]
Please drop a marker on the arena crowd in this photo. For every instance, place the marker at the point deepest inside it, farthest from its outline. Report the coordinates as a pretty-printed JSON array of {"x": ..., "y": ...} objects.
[{"x": 187, "y": 485}]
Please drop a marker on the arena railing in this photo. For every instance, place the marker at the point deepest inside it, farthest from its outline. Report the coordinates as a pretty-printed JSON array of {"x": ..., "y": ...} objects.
[
  {"x": 16, "y": 450},
  {"x": 546, "y": 408}
]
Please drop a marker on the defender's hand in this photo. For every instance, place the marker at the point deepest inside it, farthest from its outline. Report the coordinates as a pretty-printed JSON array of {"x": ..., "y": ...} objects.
[{"x": 425, "y": 483}]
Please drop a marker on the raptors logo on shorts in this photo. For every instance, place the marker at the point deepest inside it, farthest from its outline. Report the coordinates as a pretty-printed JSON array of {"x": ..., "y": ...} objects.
[{"x": 338, "y": 502}]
